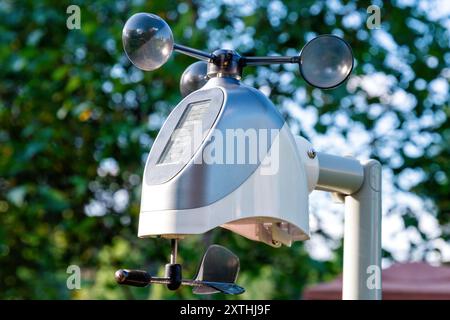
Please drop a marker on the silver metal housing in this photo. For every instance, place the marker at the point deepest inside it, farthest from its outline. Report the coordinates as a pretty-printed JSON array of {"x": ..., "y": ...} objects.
[{"x": 236, "y": 106}]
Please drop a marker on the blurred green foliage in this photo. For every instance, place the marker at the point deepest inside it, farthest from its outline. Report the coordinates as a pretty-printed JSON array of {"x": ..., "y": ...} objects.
[{"x": 69, "y": 99}]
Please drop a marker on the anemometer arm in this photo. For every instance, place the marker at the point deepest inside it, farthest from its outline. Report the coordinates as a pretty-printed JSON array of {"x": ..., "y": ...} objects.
[
  {"x": 244, "y": 61},
  {"x": 259, "y": 61},
  {"x": 358, "y": 185},
  {"x": 198, "y": 54}
]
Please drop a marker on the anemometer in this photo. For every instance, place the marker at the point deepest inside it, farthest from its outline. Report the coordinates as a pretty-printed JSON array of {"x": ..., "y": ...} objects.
[{"x": 225, "y": 157}]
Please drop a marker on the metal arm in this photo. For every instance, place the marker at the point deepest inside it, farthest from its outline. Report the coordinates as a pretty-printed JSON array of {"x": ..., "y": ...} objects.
[
  {"x": 359, "y": 185},
  {"x": 339, "y": 174},
  {"x": 259, "y": 61},
  {"x": 198, "y": 54},
  {"x": 245, "y": 61}
]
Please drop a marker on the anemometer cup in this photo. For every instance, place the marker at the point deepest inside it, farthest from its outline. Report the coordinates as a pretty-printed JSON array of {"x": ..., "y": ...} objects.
[
  {"x": 147, "y": 40},
  {"x": 326, "y": 61}
]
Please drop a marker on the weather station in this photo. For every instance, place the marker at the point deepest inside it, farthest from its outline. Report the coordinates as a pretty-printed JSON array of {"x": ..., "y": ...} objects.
[{"x": 195, "y": 180}]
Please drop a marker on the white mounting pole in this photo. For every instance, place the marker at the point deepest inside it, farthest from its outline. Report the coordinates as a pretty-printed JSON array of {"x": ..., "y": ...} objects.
[
  {"x": 362, "y": 238},
  {"x": 359, "y": 185}
]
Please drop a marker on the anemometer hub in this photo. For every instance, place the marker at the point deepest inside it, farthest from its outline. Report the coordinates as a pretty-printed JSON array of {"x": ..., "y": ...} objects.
[
  {"x": 225, "y": 63},
  {"x": 225, "y": 157}
]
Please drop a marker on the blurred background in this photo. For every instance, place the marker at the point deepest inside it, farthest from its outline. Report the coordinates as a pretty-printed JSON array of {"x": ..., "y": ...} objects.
[{"x": 77, "y": 121}]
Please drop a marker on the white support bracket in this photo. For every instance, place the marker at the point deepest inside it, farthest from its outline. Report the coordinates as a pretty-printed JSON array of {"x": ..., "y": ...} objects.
[
  {"x": 362, "y": 238},
  {"x": 359, "y": 183}
]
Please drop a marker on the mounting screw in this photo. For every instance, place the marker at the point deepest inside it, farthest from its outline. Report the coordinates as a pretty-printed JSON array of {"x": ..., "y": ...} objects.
[{"x": 311, "y": 153}]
